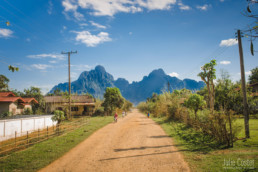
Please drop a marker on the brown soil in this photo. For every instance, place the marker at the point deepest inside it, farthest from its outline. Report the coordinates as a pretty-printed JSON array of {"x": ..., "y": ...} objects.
[{"x": 135, "y": 144}]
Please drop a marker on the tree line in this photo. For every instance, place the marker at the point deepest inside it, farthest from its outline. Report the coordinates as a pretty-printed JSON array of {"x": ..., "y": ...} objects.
[
  {"x": 113, "y": 100},
  {"x": 212, "y": 110}
]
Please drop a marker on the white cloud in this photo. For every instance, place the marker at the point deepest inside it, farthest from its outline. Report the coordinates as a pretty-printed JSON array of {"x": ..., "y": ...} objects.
[
  {"x": 71, "y": 6},
  {"x": 136, "y": 9},
  {"x": 81, "y": 67},
  {"x": 97, "y": 25},
  {"x": 111, "y": 7},
  {"x": 130, "y": 33},
  {"x": 173, "y": 74},
  {"x": 52, "y": 61},
  {"x": 5, "y": 33},
  {"x": 74, "y": 75},
  {"x": 50, "y": 7},
  {"x": 54, "y": 56},
  {"x": 41, "y": 66},
  {"x": 248, "y": 73},
  {"x": 156, "y": 4},
  {"x": 225, "y": 62},
  {"x": 228, "y": 42},
  {"x": 203, "y": 8},
  {"x": 183, "y": 7},
  {"x": 90, "y": 40},
  {"x": 83, "y": 24}
]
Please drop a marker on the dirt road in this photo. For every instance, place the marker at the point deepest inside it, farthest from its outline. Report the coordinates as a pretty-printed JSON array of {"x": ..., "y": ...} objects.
[{"x": 135, "y": 144}]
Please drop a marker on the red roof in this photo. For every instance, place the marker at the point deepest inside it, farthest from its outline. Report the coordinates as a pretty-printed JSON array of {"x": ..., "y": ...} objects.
[
  {"x": 7, "y": 94},
  {"x": 29, "y": 100},
  {"x": 11, "y": 99}
]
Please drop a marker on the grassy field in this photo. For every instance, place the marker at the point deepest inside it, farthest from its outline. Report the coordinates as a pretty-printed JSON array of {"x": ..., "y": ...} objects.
[
  {"x": 205, "y": 155},
  {"x": 42, "y": 154}
]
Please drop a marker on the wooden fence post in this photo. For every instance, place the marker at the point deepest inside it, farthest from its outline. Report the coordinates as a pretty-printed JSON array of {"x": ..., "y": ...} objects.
[
  {"x": 27, "y": 138},
  {"x": 38, "y": 134},
  {"x": 15, "y": 137},
  {"x": 47, "y": 132},
  {"x": 58, "y": 129}
]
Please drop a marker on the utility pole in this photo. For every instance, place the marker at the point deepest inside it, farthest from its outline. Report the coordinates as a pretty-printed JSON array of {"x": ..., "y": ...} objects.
[
  {"x": 69, "y": 78},
  {"x": 246, "y": 114},
  {"x": 168, "y": 87}
]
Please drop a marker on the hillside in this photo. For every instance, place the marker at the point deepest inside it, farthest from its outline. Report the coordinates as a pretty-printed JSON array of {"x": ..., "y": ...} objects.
[{"x": 96, "y": 81}]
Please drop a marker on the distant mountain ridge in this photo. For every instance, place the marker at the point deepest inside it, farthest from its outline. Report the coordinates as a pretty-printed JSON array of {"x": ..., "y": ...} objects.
[{"x": 97, "y": 80}]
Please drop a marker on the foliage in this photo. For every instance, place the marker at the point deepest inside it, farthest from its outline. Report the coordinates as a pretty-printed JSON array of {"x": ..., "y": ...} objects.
[
  {"x": 57, "y": 92},
  {"x": 99, "y": 112},
  {"x": 88, "y": 94},
  {"x": 98, "y": 103},
  {"x": 195, "y": 102},
  {"x": 5, "y": 114},
  {"x": 27, "y": 111},
  {"x": 37, "y": 94},
  {"x": 4, "y": 83},
  {"x": 127, "y": 106},
  {"x": 217, "y": 125},
  {"x": 112, "y": 100},
  {"x": 203, "y": 153},
  {"x": 208, "y": 75},
  {"x": 58, "y": 116},
  {"x": 253, "y": 78},
  {"x": 13, "y": 69}
]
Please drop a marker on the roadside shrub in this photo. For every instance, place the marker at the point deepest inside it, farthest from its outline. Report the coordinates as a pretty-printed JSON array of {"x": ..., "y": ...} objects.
[
  {"x": 27, "y": 111},
  {"x": 99, "y": 112},
  {"x": 219, "y": 125},
  {"x": 58, "y": 116},
  {"x": 143, "y": 107},
  {"x": 5, "y": 114}
]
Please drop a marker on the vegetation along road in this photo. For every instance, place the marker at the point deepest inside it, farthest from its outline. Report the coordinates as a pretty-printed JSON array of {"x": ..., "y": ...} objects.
[{"x": 134, "y": 143}]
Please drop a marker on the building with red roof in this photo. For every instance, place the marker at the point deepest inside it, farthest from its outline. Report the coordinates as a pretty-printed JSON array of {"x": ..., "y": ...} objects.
[{"x": 14, "y": 104}]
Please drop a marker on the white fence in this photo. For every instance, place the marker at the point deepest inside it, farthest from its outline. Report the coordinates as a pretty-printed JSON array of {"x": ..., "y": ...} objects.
[{"x": 8, "y": 127}]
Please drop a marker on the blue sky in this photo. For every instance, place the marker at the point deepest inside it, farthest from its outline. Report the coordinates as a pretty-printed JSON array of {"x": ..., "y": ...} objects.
[{"x": 130, "y": 38}]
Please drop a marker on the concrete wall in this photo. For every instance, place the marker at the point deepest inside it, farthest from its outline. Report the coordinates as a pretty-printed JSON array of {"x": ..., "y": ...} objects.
[{"x": 22, "y": 125}]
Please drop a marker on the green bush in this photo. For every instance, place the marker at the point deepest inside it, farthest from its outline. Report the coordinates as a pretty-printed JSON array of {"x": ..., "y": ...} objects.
[
  {"x": 27, "y": 111},
  {"x": 58, "y": 116},
  {"x": 5, "y": 114},
  {"x": 99, "y": 112}
]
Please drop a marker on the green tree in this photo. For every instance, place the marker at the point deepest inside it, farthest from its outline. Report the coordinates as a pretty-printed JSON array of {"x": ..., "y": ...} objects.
[
  {"x": 57, "y": 92},
  {"x": 4, "y": 83},
  {"x": 223, "y": 92},
  {"x": 208, "y": 75},
  {"x": 195, "y": 102},
  {"x": 127, "y": 106},
  {"x": 112, "y": 100},
  {"x": 37, "y": 94},
  {"x": 253, "y": 78},
  {"x": 58, "y": 116}
]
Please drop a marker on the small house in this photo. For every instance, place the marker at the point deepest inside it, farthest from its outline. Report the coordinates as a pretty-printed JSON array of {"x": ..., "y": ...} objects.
[
  {"x": 14, "y": 104},
  {"x": 80, "y": 104}
]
